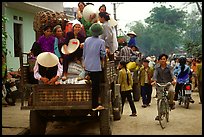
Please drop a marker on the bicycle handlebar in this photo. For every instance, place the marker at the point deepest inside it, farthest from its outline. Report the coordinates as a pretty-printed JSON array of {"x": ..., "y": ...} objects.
[{"x": 164, "y": 85}]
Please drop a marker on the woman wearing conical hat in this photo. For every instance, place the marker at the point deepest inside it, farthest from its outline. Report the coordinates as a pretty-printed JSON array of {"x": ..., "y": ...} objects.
[{"x": 47, "y": 69}]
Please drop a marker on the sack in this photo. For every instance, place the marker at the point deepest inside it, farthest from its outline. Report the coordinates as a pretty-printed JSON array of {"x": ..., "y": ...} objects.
[
  {"x": 75, "y": 68},
  {"x": 115, "y": 41}
]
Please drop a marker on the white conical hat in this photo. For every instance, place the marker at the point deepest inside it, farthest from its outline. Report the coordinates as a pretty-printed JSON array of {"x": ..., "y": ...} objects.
[
  {"x": 90, "y": 10},
  {"x": 47, "y": 59},
  {"x": 133, "y": 33},
  {"x": 72, "y": 46}
]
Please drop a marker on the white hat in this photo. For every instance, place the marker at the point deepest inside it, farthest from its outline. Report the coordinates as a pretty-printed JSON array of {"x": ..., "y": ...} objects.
[
  {"x": 47, "y": 59},
  {"x": 148, "y": 58},
  {"x": 74, "y": 22},
  {"x": 72, "y": 46},
  {"x": 133, "y": 33},
  {"x": 90, "y": 10},
  {"x": 112, "y": 22}
]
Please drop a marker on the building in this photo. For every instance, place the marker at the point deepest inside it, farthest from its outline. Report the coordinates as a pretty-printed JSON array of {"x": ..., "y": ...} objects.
[
  {"x": 71, "y": 12},
  {"x": 20, "y": 26}
]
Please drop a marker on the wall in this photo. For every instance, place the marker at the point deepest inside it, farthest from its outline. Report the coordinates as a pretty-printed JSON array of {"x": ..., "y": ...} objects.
[{"x": 28, "y": 35}]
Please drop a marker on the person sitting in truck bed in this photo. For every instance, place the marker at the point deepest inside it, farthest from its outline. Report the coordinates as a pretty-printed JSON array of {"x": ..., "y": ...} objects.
[
  {"x": 76, "y": 55},
  {"x": 47, "y": 69}
]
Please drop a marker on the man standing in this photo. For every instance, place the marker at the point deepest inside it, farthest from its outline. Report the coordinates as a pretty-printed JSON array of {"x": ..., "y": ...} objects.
[
  {"x": 145, "y": 79},
  {"x": 125, "y": 53},
  {"x": 199, "y": 77}
]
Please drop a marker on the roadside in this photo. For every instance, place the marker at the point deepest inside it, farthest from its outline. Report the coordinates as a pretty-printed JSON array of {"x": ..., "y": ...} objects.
[{"x": 14, "y": 120}]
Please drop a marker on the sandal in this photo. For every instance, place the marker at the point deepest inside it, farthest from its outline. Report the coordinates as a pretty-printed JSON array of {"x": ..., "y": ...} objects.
[
  {"x": 98, "y": 108},
  {"x": 64, "y": 78},
  {"x": 133, "y": 115}
]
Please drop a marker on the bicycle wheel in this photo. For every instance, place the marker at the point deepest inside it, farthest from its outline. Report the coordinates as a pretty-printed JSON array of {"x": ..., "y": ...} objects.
[
  {"x": 162, "y": 113},
  {"x": 167, "y": 110},
  {"x": 186, "y": 102}
]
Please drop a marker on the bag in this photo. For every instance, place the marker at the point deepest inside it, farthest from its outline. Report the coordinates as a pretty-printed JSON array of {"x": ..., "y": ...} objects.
[
  {"x": 115, "y": 41},
  {"x": 75, "y": 68}
]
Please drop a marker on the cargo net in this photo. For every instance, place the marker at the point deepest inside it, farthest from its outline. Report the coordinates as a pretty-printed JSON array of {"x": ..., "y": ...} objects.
[{"x": 49, "y": 18}]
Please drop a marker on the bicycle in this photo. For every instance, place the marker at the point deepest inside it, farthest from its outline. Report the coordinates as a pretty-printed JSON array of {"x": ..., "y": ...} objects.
[{"x": 163, "y": 105}]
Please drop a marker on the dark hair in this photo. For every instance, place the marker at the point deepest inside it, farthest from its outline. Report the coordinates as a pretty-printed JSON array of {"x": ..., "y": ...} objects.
[
  {"x": 182, "y": 62},
  {"x": 104, "y": 15},
  {"x": 123, "y": 63},
  {"x": 160, "y": 56},
  {"x": 82, "y": 3},
  {"x": 103, "y": 5},
  {"x": 89, "y": 3},
  {"x": 46, "y": 27},
  {"x": 124, "y": 43},
  {"x": 145, "y": 60}
]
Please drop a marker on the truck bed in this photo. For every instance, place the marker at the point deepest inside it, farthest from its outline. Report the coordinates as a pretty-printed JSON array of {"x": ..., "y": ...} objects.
[{"x": 57, "y": 97}]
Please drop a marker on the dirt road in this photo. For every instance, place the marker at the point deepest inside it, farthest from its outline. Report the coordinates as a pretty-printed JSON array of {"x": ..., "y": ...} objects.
[{"x": 182, "y": 122}]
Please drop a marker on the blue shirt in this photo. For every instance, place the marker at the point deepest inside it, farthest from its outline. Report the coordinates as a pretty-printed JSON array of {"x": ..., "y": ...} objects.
[
  {"x": 94, "y": 49},
  {"x": 182, "y": 77},
  {"x": 132, "y": 42}
]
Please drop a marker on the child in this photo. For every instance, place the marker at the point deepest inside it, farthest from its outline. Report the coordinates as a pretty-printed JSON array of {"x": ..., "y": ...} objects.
[
  {"x": 94, "y": 50},
  {"x": 126, "y": 82}
]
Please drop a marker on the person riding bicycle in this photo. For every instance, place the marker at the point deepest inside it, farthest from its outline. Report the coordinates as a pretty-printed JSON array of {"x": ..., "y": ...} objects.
[
  {"x": 163, "y": 73},
  {"x": 183, "y": 74}
]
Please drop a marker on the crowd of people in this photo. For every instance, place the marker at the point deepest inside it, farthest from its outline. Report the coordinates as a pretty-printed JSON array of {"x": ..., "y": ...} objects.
[{"x": 97, "y": 41}]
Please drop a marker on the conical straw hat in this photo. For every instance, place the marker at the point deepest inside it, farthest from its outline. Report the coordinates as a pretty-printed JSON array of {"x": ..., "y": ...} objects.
[
  {"x": 89, "y": 10},
  {"x": 47, "y": 59},
  {"x": 72, "y": 46},
  {"x": 133, "y": 33}
]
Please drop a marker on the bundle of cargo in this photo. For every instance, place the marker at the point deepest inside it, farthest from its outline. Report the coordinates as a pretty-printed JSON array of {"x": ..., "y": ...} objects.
[{"x": 49, "y": 18}]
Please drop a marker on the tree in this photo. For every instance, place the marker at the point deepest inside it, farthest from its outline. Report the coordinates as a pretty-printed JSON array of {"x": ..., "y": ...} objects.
[
  {"x": 193, "y": 34},
  {"x": 4, "y": 48},
  {"x": 163, "y": 31}
]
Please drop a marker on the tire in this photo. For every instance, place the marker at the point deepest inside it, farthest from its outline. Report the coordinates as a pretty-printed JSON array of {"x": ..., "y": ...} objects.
[
  {"x": 167, "y": 110},
  {"x": 11, "y": 98},
  {"x": 187, "y": 102},
  {"x": 38, "y": 123},
  {"x": 162, "y": 113},
  {"x": 105, "y": 117},
  {"x": 117, "y": 108}
]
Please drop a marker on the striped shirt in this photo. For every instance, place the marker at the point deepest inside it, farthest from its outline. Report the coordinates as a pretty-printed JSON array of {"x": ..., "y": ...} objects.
[{"x": 125, "y": 54}]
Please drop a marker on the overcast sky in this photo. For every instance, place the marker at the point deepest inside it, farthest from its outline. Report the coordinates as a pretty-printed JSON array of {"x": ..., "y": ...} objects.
[{"x": 127, "y": 12}]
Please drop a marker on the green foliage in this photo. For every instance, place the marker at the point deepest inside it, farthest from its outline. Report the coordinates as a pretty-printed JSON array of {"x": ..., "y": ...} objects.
[
  {"x": 193, "y": 34},
  {"x": 163, "y": 32},
  {"x": 4, "y": 35}
]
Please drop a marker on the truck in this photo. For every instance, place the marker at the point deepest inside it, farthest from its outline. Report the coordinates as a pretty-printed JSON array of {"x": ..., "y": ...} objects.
[{"x": 70, "y": 101}]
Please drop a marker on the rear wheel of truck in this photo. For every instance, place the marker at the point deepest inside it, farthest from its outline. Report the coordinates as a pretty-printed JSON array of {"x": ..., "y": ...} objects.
[
  {"x": 117, "y": 108},
  {"x": 106, "y": 118},
  {"x": 37, "y": 123}
]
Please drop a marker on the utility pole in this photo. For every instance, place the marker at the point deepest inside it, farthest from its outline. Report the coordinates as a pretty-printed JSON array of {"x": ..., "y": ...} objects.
[
  {"x": 114, "y": 10},
  {"x": 114, "y": 13}
]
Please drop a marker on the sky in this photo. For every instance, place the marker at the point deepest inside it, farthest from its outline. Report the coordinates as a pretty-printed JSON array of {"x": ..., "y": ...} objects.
[{"x": 127, "y": 12}]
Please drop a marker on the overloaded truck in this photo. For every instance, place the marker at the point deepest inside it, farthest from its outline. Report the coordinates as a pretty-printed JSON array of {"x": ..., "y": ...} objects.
[{"x": 69, "y": 101}]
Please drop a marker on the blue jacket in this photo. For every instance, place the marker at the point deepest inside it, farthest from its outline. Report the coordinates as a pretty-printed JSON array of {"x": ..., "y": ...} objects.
[
  {"x": 132, "y": 42},
  {"x": 183, "y": 77}
]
